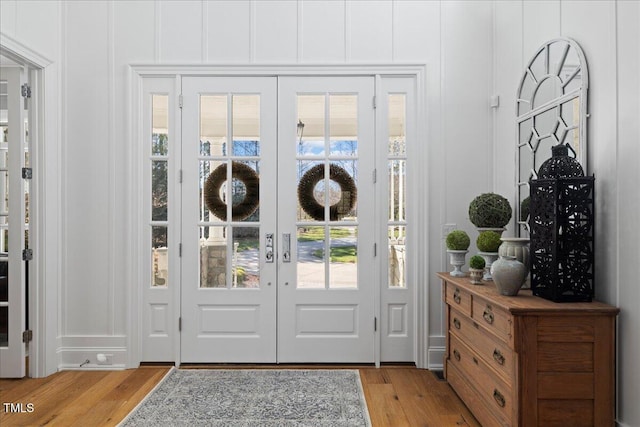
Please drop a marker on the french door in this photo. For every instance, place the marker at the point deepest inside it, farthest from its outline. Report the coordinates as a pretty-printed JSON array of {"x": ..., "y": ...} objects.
[
  {"x": 14, "y": 192},
  {"x": 278, "y": 256}
]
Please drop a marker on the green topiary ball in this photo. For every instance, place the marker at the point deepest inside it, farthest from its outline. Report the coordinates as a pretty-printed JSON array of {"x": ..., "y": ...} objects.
[
  {"x": 477, "y": 262},
  {"x": 490, "y": 210},
  {"x": 458, "y": 240},
  {"x": 488, "y": 241}
]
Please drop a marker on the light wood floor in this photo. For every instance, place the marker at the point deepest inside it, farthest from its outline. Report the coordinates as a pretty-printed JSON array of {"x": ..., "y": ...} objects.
[{"x": 396, "y": 396}]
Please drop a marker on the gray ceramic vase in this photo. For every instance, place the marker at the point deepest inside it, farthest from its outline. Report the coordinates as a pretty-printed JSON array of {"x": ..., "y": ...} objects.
[{"x": 508, "y": 275}]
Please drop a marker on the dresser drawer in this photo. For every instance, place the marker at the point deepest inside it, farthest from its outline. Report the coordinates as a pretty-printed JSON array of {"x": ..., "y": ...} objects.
[
  {"x": 493, "y": 318},
  {"x": 468, "y": 394},
  {"x": 496, "y": 394},
  {"x": 458, "y": 298},
  {"x": 494, "y": 352}
]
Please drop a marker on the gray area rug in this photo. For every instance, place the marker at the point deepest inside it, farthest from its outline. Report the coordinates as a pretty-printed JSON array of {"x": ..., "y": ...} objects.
[{"x": 231, "y": 397}]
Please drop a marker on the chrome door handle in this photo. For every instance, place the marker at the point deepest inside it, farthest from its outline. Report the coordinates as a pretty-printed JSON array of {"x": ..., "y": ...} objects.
[
  {"x": 268, "y": 251},
  {"x": 286, "y": 247}
]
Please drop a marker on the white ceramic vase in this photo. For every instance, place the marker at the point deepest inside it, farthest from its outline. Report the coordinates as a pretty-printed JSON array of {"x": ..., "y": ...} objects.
[
  {"x": 457, "y": 260},
  {"x": 508, "y": 275}
]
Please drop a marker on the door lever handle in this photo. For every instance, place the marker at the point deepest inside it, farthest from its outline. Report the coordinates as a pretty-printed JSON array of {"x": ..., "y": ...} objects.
[
  {"x": 268, "y": 251},
  {"x": 286, "y": 247}
]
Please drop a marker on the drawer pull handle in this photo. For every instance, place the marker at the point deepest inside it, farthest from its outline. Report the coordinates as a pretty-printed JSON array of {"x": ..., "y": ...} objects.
[
  {"x": 456, "y": 296},
  {"x": 498, "y": 356},
  {"x": 499, "y": 398},
  {"x": 456, "y": 323},
  {"x": 456, "y": 355},
  {"x": 488, "y": 315}
]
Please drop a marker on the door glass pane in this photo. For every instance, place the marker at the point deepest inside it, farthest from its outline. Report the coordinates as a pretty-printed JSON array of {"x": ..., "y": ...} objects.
[
  {"x": 246, "y": 125},
  {"x": 311, "y": 123},
  {"x": 4, "y": 215},
  {"x": 343, "y": 262},
  {"x": 160, "y": 125},
  {"x": 159, "y": 256},
  {"x": 397, "y": 188},
  {"x": 397, "y": 257},
  {"x": 4, "y": 326},
  {"x": 245, "y": 191},
  {"x": 159, "y": 195},
  {"x": 343, "y": 118},
  {"x": 246, "y": 256},
  {"x": 213, "y": 257},
  {"x": 213, "y": 194},
  {"x": 310, "y": 190},
  {"x": 159, "y": 161},
  {"x": 397, "y": 124},
  {"x": 343, "y": 195},
  {"x": 213, "y": 125},
  {"x": 311, "y": 248}
]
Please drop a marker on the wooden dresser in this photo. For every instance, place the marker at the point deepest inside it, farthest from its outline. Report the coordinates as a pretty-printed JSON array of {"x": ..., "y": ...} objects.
[{"x": 526, "y": 361}]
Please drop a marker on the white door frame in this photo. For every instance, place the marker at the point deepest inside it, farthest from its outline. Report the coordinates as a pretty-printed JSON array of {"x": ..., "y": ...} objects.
[
  {"x": 43, "y": 295},
  {"x": 419, "y": 271}
]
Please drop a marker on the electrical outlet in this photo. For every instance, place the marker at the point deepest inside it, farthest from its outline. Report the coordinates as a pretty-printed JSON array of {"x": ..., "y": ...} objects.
[{"x": 448, "y": 228}]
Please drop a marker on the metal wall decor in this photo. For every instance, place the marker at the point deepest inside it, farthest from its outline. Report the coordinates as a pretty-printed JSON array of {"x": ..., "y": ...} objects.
[
  {"x": 551, "y": 109},
  {"x": 562, "y": 222},
  {"x": 338, "y": 210},
  {"x": 249, "y": 203}
]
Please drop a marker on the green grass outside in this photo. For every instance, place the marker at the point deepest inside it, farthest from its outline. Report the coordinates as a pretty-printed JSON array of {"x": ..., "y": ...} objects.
[
  {"x": 313, "y": 234},
  {"x": 345, "y": 254}
]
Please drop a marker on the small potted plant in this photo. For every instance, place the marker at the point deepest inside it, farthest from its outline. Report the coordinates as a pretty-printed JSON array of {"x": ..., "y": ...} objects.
[
  {"x": 490, "y": 211},
  {"x": 488, "y": 243},
  {"x": 476, "y": 269},
  {"x": 457, "y": 246}
]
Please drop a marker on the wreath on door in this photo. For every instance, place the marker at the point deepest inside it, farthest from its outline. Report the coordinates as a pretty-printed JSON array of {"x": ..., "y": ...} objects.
[
  {"x": 308, "y": 184},
  {"x": 247, "y": 205}
]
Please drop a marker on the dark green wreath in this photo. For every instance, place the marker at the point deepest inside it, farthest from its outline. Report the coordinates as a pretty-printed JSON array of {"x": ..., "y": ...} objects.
[
  {"x": 242, "y": 173},
  {"x": 316, "y": 210}
]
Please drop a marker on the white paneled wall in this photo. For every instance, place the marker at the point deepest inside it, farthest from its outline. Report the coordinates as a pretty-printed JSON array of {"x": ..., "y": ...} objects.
[
  {"x": 608, "y": 33},
  {"x": 473, "y": 49},
  {"x": 92, "y": 43}
]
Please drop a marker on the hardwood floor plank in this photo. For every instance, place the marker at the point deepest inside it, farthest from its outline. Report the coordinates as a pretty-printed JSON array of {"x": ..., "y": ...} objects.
[
  {"x": 384, "y": 407},
  {"x": 396, "y": 397}
]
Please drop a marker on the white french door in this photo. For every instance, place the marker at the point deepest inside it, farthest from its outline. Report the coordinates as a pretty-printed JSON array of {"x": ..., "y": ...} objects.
[
  {"x": 14, "y": 156},
  {"x": 278, "y": 265}
]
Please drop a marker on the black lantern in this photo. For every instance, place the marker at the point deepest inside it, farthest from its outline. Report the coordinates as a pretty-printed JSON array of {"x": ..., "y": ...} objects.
[{"x": 562, "y": 229}]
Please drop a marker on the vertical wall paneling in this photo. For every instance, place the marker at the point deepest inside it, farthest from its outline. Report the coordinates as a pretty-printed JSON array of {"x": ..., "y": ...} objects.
[
  {"x": 370, "y": 34},
  {"x": 508, "y": 69},
  {"x": 541, "y": 22},
  {"x": 276, "y": 29},
  {"x": 322, "y": 32},
  {"x": 8, "y": 11},
  {"x": 31, "y": 14},
  {"x": 86, "y": 220},
  {"x": 228, "y": 31},
  {"x": 180, "y": 31},
  {"x": 597, "y": 42},
  {"x": 136, "y": 17},
  {"x": 465, "y": 146},
  {"x": 628, "y": 233}
]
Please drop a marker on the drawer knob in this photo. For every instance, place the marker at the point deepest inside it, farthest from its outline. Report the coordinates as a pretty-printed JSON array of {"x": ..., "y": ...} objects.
[
  {"x": 487, "y": 315},
  {"x": 456, "y": 355},
  {"x": 499, "y": 398},
  {"x": 497, "y": 355},
  {"x": 456, "y": 296},
  {"x": 456, "y": 323}
]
